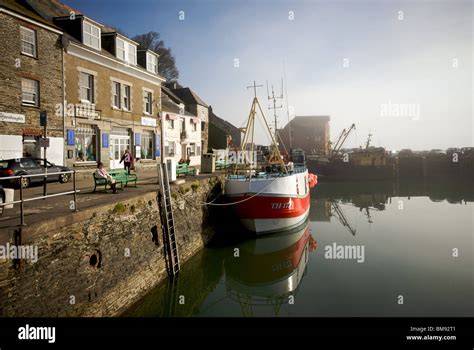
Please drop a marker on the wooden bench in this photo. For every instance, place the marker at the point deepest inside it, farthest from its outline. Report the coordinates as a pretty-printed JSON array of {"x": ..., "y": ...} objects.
[
  {"x": 185, "y": 169},
  {"x": 120, "y": 176}
]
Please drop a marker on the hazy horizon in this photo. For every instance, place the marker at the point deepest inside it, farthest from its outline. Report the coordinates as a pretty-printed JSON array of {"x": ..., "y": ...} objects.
[{"x": 399, "y": 70}]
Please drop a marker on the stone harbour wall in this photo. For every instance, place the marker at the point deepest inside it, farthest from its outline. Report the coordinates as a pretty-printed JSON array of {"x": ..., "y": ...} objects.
[{"x": 101, "y": 265}]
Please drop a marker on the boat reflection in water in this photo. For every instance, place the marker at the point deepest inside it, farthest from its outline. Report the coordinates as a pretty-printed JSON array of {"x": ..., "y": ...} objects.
[{"x": 269, "y": 269}]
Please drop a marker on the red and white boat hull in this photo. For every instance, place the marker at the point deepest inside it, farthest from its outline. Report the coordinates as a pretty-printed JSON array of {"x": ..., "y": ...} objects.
[{"x": 270, "y": 204}]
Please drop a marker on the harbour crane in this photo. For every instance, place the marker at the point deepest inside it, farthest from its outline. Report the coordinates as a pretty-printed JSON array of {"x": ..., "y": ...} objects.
[{"x": 340, "y": 141}]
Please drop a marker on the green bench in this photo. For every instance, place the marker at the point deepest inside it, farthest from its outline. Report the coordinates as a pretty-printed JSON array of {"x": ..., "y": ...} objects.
[
  {"x": 120, "y": 176},
  {"x": 222, "y": 165},
  {"x": 185, "y": 169}
]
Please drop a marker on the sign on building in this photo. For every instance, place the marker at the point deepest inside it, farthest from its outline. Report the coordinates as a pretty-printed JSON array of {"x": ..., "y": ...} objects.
[{"x": 12, "y": 117}]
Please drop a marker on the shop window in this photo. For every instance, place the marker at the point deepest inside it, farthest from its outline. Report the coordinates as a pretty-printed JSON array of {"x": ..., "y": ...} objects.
[{"x": 86, "y": 143}]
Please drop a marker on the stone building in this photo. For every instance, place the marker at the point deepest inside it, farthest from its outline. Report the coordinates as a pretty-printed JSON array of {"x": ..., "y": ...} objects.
[
  {"x": 196, "y": 106},
  {"x": 181, "y": 130},
  {"x": 222, "y": 134},
  {"x": 112, "y": 93},
  {"x": 310, "y": 133},
  {"x": 31, "y": 74}
]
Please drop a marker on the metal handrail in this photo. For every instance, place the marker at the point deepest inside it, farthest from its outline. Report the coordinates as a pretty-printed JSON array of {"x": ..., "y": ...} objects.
[
  {"x": 22, "y": 201},
  {"x": 36, "y": 175}
]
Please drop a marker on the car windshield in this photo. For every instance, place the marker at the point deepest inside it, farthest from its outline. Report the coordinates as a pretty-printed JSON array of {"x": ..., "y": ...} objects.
[{"x": 3, "y": 164}]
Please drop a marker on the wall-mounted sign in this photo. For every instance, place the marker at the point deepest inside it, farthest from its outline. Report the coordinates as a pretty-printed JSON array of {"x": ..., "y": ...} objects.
[
  {"x": 70, "y": 137},
  {"x": 12, "y": 117},
  {"x": 85, "y": 111},
  {"x": 157, "y": 145},
  {"x": 146, "y": 121},
  {"x": 137, "y": 138},
  {"x": 105, "y": 140}
]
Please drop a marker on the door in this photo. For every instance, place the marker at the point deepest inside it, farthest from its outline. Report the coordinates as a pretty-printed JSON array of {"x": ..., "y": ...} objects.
[{"x": 118, "y": 145}]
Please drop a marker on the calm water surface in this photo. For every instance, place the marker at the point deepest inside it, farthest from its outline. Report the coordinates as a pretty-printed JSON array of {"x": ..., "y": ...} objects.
[{"x": 417, "y": 241}]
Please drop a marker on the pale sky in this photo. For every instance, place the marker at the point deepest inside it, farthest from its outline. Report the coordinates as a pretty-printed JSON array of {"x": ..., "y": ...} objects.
[{"x": 357, "y": 61}]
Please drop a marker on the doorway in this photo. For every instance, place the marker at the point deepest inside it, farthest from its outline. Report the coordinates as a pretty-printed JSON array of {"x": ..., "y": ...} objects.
[{"x": 119, "y": 142}]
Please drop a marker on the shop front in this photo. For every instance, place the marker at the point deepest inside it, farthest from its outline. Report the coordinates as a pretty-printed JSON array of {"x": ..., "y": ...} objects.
[{"x": 119, "y": 142}]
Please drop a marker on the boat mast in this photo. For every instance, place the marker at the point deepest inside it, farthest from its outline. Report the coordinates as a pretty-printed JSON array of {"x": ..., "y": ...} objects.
[
  {"x": 274, "y": 99},
  {"x": 250, "y": 129},
  {"x": 287, "y": 108}
]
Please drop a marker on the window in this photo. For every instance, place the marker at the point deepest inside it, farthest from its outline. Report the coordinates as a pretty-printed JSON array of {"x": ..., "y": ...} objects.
[
  {"x": 170, "y": 123},
  {"x": 121, "y": 49},
  {"x": 132, "y": 54},
  {"x": 151, "y": 63},
  {"x": 169, "y": 149},
  {"x": 30, "y": 92},
  {"x": 192, "y": 149},
  {"x": 116, "y": 90},
  {"x": 194, "y": 126},
  {"x": 91, "y": 35},
  {"x": 85, "y": 143},
  {"x": 126, "y": 97},
  {"x": 28, "y": 41},
  {"x": 147, "y": 145},
  {"x": 148, "y": 97},
  {"x": 203, "y": 126},
  {"x": 86, "y": 82},
  {"x": 126, "y": 51}
]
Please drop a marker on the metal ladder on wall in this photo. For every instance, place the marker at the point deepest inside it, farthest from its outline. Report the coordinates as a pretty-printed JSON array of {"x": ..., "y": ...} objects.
[{"x": 167, "y": 222}]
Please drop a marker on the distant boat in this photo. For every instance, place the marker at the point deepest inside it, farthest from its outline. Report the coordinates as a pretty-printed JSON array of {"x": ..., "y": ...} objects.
[{"x": 274, "y": 195}]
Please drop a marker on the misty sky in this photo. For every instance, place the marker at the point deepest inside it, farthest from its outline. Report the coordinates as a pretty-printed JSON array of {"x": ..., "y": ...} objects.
[{"x": 408, "y": 82}]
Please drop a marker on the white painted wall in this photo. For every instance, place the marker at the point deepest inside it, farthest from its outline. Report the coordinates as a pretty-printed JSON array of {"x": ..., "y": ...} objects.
[
  {"x": 55, "y": 152},
  {"x": 11, "y": 146}
]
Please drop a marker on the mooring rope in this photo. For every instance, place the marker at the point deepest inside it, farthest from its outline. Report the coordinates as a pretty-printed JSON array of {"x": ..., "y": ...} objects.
[{"x": 238, "y": 202}]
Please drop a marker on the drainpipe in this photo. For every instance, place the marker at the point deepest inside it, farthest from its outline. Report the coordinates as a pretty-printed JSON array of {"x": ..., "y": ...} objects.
[{"x": 63, "y": 102}]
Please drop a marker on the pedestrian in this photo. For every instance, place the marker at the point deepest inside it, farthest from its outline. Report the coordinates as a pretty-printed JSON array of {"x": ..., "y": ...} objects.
[
  {"x": 101, "y": 172},
  {"x": 127, "y": 160}
]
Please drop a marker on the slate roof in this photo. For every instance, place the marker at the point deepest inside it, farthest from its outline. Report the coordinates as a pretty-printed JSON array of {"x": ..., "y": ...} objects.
[
  {"x": 23, "y": 8},
  {"x": 189, "y": 97}
]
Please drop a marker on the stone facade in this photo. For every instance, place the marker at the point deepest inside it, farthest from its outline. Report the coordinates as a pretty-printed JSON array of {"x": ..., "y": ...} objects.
[
  {"x": 47, "y": 69},
  {"x": 132, "y": 125},
  {"x": 107, "y": 260}
]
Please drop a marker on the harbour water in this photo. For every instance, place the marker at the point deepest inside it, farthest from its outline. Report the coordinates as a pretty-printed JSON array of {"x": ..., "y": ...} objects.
[{"x": 368, "y": 249}]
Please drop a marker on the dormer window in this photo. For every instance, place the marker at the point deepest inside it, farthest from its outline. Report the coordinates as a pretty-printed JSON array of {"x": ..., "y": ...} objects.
[
  {"x": 91, "y": 35},
  {"x": 151, "y": 63},
  {"x": 126, "y": 51}
]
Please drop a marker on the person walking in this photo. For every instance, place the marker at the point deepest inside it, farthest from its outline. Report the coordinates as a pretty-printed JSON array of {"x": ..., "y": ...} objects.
[
  {"x": 101, "y": 172},
  {"x": 127, "y": 160}
]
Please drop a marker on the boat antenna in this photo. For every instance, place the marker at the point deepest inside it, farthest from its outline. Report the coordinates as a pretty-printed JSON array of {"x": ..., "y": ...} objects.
[
  {"x": 287, "y": 107},
  {"x": 275, "y": 100}
]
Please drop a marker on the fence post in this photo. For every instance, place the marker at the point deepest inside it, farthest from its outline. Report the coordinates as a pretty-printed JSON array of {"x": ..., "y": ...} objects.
[{"x": 74, "y": 188}]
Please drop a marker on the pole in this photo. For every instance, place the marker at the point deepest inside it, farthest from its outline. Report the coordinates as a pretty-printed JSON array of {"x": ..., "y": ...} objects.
[
  {"x": 74, "y": 188},
  {"x": 45, "y": 178},
  {"x": 22, "y": 213}
]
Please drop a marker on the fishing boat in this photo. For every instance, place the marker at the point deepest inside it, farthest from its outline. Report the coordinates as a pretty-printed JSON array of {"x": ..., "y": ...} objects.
[{"x": 271, "y": 194}]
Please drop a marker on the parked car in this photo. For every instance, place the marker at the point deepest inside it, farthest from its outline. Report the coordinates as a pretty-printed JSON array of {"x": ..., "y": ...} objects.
[{"x": 30, "y": 166}]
